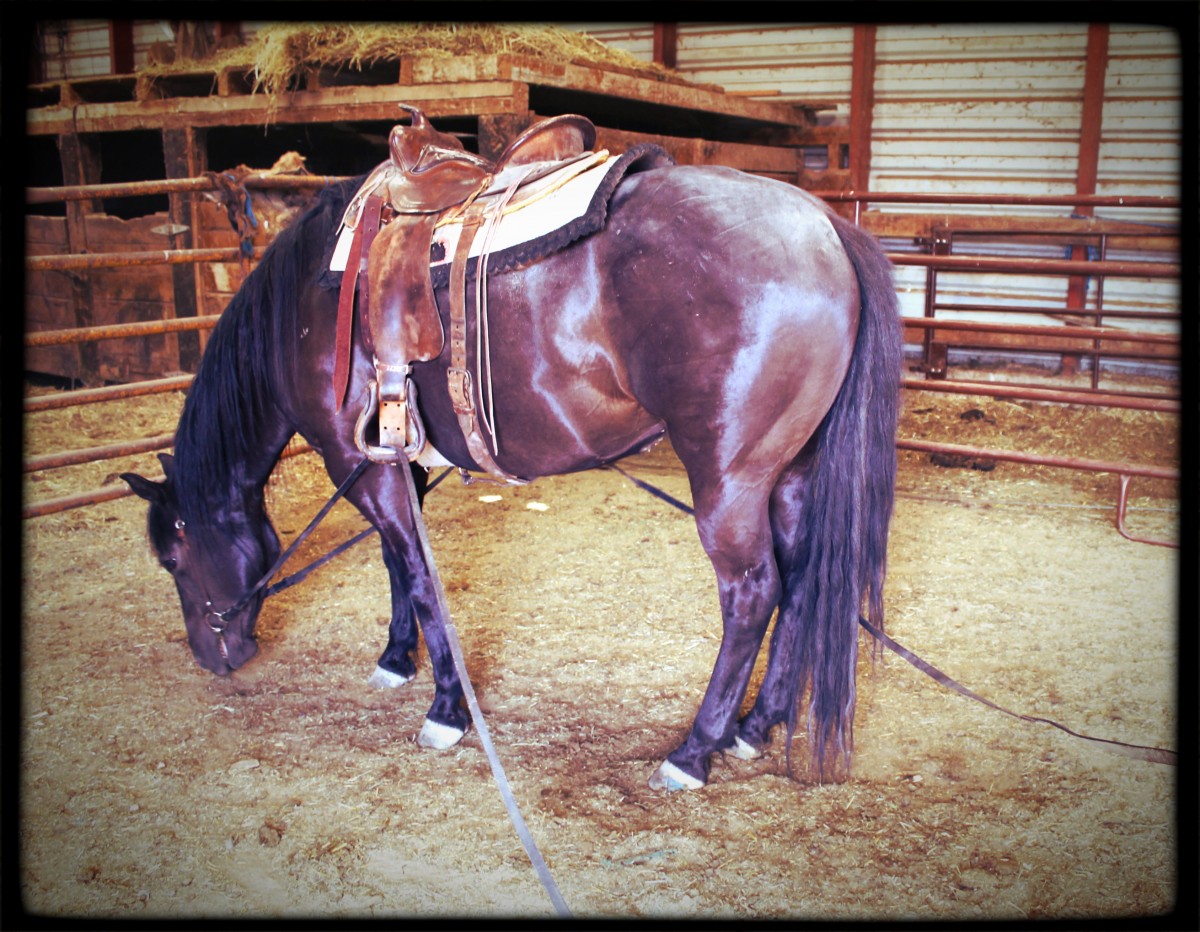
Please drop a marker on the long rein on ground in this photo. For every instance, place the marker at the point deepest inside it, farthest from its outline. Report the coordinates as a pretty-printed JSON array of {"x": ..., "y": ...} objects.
[{"x": 1139, "y": 752}]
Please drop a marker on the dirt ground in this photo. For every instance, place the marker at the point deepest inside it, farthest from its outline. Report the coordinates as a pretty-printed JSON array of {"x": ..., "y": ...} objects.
[{"x": 151, "y": 788}]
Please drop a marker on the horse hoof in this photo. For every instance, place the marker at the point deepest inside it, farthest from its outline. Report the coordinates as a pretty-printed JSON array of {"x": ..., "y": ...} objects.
[
  {"x": 386, "y": 679},
  {"x": 670, "y": 778},
  {"x": 439, "y": 737},
  {"x": 744, "y": 751}
]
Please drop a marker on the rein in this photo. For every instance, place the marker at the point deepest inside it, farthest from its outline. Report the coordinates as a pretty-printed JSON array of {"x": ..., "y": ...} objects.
[
  {"x": 219, "y": 629},
  {"x": 514, "y": 813},
  {"x": 485, "y": 738},
  {"x": 1139, "y": 752},
  {"x": 301, "y": 574}
]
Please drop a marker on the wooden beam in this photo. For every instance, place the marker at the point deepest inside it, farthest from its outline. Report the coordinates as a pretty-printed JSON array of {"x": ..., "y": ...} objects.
[
  {"x": 1092, "y": 115},
  {"x": 666, "y": 43},
  {"x": 325, "y": 105},
  {"x": 862, "y": 105},
  {"x": 495, "y": 130},
  {"x": 772, "y": 160},
  {"x": 183, "y": 157},
  {"x": 120, "y": 40}
]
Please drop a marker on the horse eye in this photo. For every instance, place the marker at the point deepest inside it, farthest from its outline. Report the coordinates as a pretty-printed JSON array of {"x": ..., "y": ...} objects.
[{"x": 168, "y": 564}]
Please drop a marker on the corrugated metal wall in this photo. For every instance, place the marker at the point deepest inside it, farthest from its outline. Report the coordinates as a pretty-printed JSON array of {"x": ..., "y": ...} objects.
[
  {"x": 1143, "y": 115},
  {"x": 774, "y": 61},
  {"x": 978, "y": 108},
  {"x": 991, "y": 110},
  {"x": 77, "y": 48}
]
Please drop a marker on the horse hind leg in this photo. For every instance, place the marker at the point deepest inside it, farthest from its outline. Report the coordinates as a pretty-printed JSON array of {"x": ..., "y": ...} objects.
[
  {"x": 776, "y": 701},
  {"x": 736, "y": 535}
]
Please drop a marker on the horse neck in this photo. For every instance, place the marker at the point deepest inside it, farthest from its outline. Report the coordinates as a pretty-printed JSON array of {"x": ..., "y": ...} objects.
[{"x": 231, "y": 434}]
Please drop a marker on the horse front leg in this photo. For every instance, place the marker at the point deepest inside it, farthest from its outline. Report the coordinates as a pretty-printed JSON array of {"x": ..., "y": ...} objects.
[
  {"x": 739, "y": 546},
  {"x": 382, "y": 497},
  {"x": 397, "y": 664}
]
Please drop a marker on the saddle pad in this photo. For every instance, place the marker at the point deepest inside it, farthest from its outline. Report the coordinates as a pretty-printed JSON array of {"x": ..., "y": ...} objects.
[
  {"x": 551, "y": 215},
  {"x": 547, "y": 180},
  {"x": 557, "y": 229}
]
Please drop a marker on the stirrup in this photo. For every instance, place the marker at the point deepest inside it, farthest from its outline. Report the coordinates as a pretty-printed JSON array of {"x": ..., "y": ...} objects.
[{"x": 389, "y": 456}]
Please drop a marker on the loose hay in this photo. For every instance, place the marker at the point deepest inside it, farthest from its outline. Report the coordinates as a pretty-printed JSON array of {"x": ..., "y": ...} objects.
[
  {"x": 590, "y": 630},
  {"x": 280, "y": 53}
]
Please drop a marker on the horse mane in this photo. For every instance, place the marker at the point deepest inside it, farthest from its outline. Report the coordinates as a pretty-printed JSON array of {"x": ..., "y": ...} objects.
[{"x": 235, "y": 393}]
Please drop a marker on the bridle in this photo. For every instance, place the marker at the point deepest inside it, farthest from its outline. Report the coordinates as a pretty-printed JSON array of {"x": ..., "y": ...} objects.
[{"x": 218, "y": 621}]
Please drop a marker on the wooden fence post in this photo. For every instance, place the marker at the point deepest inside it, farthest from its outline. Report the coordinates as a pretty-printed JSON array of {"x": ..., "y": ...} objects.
[{"x": 184, "y": 157}]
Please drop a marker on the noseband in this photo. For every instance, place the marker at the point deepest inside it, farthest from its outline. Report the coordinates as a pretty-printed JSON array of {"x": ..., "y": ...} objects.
[{"x": 219, "y": 628}]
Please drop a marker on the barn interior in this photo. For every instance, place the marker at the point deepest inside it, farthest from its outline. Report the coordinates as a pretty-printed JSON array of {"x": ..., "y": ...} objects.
[{"x": 1025, "y": 181}]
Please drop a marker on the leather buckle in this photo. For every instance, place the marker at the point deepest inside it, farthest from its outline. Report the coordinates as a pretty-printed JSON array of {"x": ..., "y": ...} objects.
[{"x": 458, "y": 381}]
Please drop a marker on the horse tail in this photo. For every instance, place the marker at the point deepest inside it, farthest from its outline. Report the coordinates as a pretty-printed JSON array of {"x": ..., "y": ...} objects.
[{"x": 841, "y": 548}]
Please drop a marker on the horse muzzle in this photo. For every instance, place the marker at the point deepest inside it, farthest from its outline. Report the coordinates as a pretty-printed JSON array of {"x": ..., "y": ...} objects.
[{"x": 219, "y": 646}]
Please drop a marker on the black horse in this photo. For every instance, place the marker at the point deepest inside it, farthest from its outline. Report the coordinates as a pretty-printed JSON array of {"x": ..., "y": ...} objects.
[{"x": 736, "y": 315}]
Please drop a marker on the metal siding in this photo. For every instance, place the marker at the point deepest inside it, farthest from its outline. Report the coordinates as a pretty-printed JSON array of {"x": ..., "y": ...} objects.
[
  {"x": 985, "y": 108},
  {"x": 970, "y": 108},
  {"x": 84, "y": 50},
  {"x": 779, "y": 62},
  {"x": 1142, "y": 125},
  {"x": 978, "y": 109},
  {"x": 1140, "y": 150},
  {"x": 635, "y": 38}
]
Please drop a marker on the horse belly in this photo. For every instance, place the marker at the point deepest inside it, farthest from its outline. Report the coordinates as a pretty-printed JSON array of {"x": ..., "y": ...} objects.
[{"x": 560, "y": 399}]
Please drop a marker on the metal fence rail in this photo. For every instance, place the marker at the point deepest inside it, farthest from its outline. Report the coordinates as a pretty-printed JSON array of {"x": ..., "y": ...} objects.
[{"x": 955, "y": 263}]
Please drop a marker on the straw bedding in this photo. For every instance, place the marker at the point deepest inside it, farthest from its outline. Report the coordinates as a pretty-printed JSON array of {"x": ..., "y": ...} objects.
[{"x": 152, "y": 788}]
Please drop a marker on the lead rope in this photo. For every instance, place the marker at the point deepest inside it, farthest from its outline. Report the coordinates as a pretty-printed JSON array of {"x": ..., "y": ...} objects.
[
  {"x": 1140, "y": 752},
  {"x": 485, "y": 738}
]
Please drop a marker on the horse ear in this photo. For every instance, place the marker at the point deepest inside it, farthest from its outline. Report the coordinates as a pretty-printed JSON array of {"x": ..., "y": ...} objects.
[
  {"x": 145, "y": 488},
  {"x": 168, "y": 463}
]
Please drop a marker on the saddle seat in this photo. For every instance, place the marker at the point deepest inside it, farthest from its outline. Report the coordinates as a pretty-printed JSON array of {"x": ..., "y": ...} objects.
[{"x": 428, "y": 178}]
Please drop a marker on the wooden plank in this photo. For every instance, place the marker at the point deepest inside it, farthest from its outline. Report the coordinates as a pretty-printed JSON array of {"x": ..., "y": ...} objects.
[
  {"x": 691, "y": 97},
  {"x": 497, "y": 67},
  {"x": 774, "y": 160},
  {"x": 183, "y": 157},
  {"x": 49, "y": 299},
  {"x": 80, "y": 165},
  {"x": 132, "y": 294},
  {"x": 496, "y": 130},
  {"x": 324, "y": 105}
]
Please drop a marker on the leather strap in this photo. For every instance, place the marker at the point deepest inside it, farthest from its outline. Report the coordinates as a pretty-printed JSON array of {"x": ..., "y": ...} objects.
[
  {"x": 458, "y": 376},
  {"x": 364, "y": 233},
  {"x": 1138, "y": 751}
]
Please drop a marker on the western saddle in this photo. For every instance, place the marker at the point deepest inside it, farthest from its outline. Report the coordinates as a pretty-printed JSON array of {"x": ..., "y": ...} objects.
[{"x": 428, "y": 178}]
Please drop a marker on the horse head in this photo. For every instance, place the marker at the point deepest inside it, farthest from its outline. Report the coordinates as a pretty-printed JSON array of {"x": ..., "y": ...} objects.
[{"x": 215, "y": 557}]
